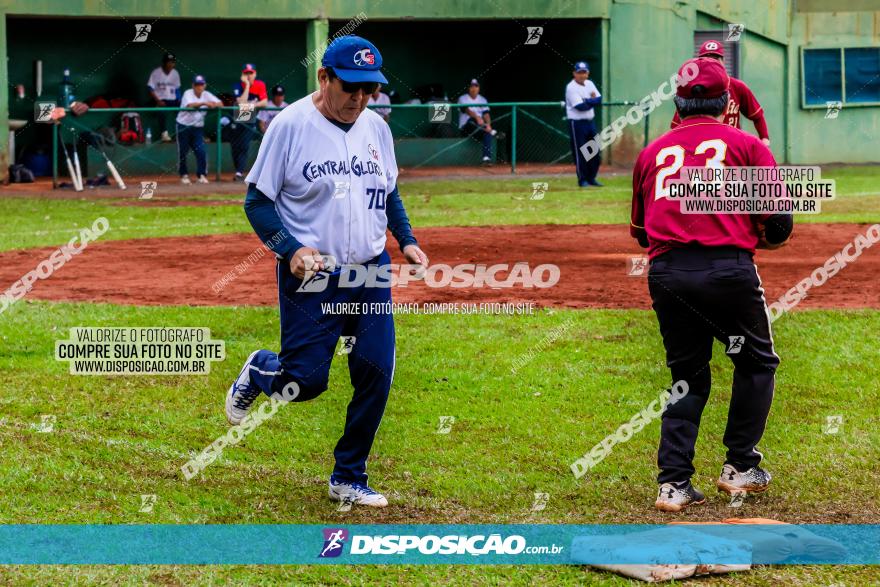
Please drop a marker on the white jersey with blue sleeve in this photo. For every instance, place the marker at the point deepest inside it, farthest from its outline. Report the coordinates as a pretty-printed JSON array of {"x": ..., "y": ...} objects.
[
  {"x": 575, "y": 94},
  {"x": 329, "y": 186}
]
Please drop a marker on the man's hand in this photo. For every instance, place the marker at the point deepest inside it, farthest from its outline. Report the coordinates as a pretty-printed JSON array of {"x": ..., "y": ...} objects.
[
  {"x": 160, "y": 103},
  {"x": 306, "y": 260},
  {"x": 414, "y": 255},
  {"x": 244, "y": 79},
  {"x": 766, "y": 142}
]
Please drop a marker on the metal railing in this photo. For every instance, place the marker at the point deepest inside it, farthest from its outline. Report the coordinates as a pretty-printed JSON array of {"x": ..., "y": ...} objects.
[
  {"x": 522, "y": 108},
  {"x": 518, "y": 112}
]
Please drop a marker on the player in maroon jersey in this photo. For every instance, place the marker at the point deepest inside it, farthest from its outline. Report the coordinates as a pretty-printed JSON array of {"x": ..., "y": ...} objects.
[
  {"x": 704, "y": 285},
  {"x": 742, "y": 100}
]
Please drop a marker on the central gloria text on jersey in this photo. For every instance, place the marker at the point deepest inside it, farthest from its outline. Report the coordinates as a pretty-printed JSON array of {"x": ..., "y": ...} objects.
[{"x": 329, "y": 186}]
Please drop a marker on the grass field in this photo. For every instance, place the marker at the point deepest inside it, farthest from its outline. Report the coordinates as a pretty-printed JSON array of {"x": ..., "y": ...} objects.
[{"x": 117, "y": 438}]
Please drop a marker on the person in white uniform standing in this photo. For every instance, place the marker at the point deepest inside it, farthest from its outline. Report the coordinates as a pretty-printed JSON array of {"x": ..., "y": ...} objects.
[
  {"x": 321, "y": 195},
  {"x": 581, "y": 98},
  {"x": 164, "y": 88},
  {"x": 191, "y": 128}
]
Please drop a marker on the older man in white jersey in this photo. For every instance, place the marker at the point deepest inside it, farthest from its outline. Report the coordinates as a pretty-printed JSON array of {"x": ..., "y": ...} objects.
[
  {"x": 581, "y": 98},
  {"x": 321, "y": 195}
]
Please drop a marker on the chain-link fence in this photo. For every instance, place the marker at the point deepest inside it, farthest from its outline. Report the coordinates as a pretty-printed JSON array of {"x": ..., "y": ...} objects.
[
  {"x": 431, "y": 135},
  {"x": 426, "y": 135}
]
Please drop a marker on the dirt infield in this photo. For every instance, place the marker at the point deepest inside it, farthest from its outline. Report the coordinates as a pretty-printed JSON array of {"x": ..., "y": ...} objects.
[{"x": 592, "y": 261}]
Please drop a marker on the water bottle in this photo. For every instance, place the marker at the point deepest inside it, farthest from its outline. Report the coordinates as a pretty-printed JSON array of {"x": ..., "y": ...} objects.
[
  {"x": 67, "y": 97},
  {"x": 149, "y": 136}
]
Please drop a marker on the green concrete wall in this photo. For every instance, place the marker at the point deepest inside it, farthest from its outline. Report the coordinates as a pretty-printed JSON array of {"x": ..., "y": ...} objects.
[
  {"x": 650, "y": 37},
  {"x": 314, "y": 9},
  {"x": 650, "y": 40},
  {"x": 317, "y": 33},
  {"x": 633, "y": 46},
  {"x": 853, "y": 136},
  {"x": 763, "y": 68}
]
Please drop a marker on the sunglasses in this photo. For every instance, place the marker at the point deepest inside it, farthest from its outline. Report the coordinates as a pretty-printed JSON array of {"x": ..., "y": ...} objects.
[{"x": 353, "y": 87}]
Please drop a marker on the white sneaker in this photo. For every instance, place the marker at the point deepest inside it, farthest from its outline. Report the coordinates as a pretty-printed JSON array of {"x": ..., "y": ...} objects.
[
  {"x": 672, "y": 497},
  {"x": 241, "y": 394},
  {"x": 732, "y": 481},
  {"x": 165, "y": 137},
  {"x": 237, "y": 177},
  {"x": 184, "y": 179},
  {"x": 203, "y": 179},
  {"x": 356, "y": 493}
]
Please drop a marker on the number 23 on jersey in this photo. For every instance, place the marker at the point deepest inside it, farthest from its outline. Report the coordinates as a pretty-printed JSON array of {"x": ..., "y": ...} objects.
[{"x": 717, "y": 147}]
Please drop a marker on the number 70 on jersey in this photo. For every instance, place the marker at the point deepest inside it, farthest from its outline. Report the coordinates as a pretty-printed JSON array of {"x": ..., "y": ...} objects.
[{"x": 377, "y": 199}]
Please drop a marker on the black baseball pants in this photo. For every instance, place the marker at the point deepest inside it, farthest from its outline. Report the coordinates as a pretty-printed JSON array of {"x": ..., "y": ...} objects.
[{"x": 700, "y": 294}]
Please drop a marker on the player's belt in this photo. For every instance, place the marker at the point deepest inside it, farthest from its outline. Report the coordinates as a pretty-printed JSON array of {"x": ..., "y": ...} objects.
[{"x": 696, "y": 253}]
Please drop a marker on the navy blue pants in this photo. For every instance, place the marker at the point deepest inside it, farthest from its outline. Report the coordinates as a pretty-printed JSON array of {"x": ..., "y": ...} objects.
[
  {"x": 471, "y": 128},
  {"x": 701, "y": 294},
  {"x": 191, "y": 137},
  {"x": 309, "y": 336},
  {"x": 162, "y": 117},
  {"x": 582, "y": 131},
  {"x": 240, "y": 140}
]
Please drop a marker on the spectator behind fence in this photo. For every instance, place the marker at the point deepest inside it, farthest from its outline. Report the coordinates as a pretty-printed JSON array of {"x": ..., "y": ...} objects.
[
  {"x": 164, "y": 86},
  {"x": 475, "y": 121},
  {"x": 581, "y": 98},
  {"x": 266, "y": 116},
  {"x": 380, "y": 98},
  {"x": 253, "y": 92},
  {"x": 191, "y": 128}
]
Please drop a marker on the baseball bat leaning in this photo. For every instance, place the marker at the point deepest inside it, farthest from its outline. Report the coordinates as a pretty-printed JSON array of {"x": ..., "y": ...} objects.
[
  {"x": 70, "y": 170},
  {"x": 93, "y": 141},
  {"x": 115, "y": 173},
  {"x": 79, "y": 173}
]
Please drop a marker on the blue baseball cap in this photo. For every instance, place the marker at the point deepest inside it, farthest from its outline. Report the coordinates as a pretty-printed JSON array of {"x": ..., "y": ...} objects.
[
  {"x": 248, "y": 68},
  {"x": 354, "y": 59},
  {"x": 581, "y": 66},
  {"x": 199, "y": 79}
]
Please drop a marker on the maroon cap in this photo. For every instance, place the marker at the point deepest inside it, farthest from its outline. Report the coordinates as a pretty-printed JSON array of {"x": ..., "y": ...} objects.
[
  {"x": 702, "y": 71},
  {"x": 711, "y": 48}
]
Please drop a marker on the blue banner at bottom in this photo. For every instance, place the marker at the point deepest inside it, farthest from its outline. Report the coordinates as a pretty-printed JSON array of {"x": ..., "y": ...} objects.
[{"x": 686, "y": 544}]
